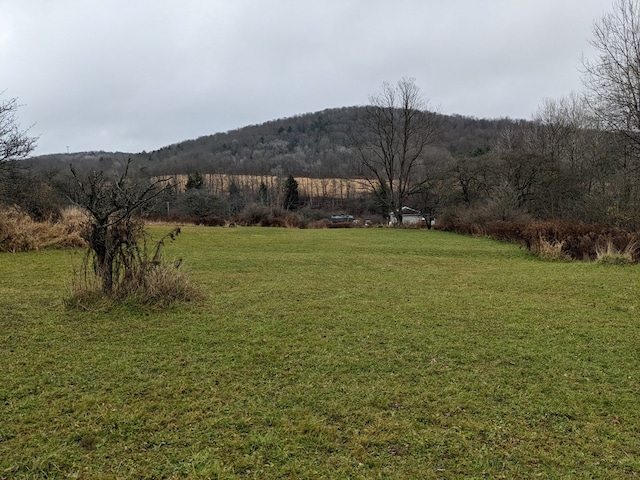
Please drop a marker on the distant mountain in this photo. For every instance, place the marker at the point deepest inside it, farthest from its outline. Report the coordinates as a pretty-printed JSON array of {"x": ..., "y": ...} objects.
[{"x": 311, "y": 145}]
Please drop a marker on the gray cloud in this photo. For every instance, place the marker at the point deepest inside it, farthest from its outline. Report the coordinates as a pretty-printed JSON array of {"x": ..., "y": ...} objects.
[{"x": 132, "y": 76}]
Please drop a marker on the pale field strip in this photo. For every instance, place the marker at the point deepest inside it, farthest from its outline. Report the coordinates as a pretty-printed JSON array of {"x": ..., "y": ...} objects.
[{"x": 218, "y": 184}]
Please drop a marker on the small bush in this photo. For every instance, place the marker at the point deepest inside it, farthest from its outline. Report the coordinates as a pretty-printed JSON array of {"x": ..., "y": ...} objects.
[
  {"x": 147, "y": 280},
  {"x": 272, "y": 222},
  {"x": 210, "y": 221},
  {"x": 293, "y": 220},
  {"x": 290, "y": 220},
  {"x": 165, "y": 284},
  {"x": 254, "y": 214}
]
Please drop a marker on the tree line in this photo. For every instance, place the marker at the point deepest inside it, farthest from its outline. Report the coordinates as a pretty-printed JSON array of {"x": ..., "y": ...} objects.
[
  {"x": 575, "y": 159},
  {"x": 562, "y": 163}
]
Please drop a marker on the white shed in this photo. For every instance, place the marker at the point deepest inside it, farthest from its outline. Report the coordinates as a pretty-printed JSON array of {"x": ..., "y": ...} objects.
[{"x": 409, "y": 217}]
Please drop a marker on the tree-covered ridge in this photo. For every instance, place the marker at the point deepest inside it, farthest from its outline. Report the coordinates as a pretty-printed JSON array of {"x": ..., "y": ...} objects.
[
  {"x": 315, "y": 145},
  {"x": 311, "y": 145}
]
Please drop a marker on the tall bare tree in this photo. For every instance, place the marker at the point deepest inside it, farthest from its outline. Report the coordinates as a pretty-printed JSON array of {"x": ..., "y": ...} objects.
[
  {"x": 612, "y": 79},
  {"x": 15, "y": 143},
  {"x": 397, "y": 131},
  {"x": 17, "y": 185}
]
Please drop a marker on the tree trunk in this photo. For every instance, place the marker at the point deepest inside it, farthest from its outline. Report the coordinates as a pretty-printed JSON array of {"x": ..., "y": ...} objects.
[{"x": 103, "y": 257}]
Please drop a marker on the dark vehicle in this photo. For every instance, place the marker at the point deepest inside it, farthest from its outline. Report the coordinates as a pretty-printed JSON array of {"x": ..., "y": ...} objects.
[{"x": 342, "y": 218}]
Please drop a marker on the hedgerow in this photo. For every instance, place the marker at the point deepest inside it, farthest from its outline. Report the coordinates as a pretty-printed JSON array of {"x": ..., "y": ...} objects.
[{"x": 558, "y": 239}]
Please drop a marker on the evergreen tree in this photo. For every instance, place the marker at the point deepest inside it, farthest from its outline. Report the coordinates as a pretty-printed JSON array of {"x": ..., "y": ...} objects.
[
  {"x": 194, "y": 183},
  {"x": 236, "y": 202},
  {"x": 263, "y": 194},
  {"x": 291, "y": 198}
]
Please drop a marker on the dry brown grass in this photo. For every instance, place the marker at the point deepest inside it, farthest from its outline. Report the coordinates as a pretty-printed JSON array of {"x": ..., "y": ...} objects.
[
  {"x": 140, "y": 275},
  {"x": 75, "y": 219},
  {"x": 610, "y": 254},
  {"x": 20, "y": 233},
  {"x": 159, "y": 286},
  {"x": 551, "y": 250},
  {"x": 166, "y": 284},
  {"x": 316, "y": 224}
]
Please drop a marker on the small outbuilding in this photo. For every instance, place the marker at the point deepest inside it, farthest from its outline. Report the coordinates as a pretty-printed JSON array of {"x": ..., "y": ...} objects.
[{"x": 410, "y": 216}]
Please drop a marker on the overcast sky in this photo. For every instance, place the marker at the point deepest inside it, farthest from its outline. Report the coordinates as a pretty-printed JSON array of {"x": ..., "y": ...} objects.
[{"x": 133, "y": 75}]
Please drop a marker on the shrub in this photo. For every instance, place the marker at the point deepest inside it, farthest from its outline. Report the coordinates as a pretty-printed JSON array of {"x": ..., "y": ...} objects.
[
  {"x": 272, "y": 222},
  {"x": 284, "y": 220},
  {"x": 210, "y": 221},
  {"x": 254, "y": 214},
  {"x": 478, "y": 219},
  {"x": 142, "y": 275},
  {"x": 581, "y": 241},
  {"x": 292, "y": 220},
  {"x": 197, "y": 203},
  {"x": 20, "y": 233},
  {"x": 554, "y": 239},
  {"x": 164, "y": 284}
]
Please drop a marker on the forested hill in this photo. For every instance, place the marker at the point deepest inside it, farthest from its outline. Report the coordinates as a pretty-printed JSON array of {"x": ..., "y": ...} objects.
[{"x": 313, "y": 145}]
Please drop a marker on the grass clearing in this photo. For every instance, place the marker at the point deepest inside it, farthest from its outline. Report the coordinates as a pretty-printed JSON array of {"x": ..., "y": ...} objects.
[{"x": 351, "y": 353}]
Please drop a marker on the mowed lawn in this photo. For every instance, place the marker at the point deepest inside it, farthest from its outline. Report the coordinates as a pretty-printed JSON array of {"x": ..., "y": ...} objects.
[{"x": 344, "y": 353}]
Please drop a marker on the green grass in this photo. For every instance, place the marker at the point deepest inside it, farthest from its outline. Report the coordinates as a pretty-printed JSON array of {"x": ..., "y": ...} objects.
[{"x": 355, "y": 353}]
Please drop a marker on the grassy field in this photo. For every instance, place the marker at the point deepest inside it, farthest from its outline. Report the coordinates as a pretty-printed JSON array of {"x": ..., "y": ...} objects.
[{"x": 355, "y": 353}]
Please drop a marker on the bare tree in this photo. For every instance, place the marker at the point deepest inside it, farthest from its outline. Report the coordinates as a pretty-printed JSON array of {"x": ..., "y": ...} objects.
[
  {"x": 114, "y": 231},
  {"x": 612, "y": 80},
  {"x": 398, "y": 128},
  {"x": 15, "y": 143}
]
